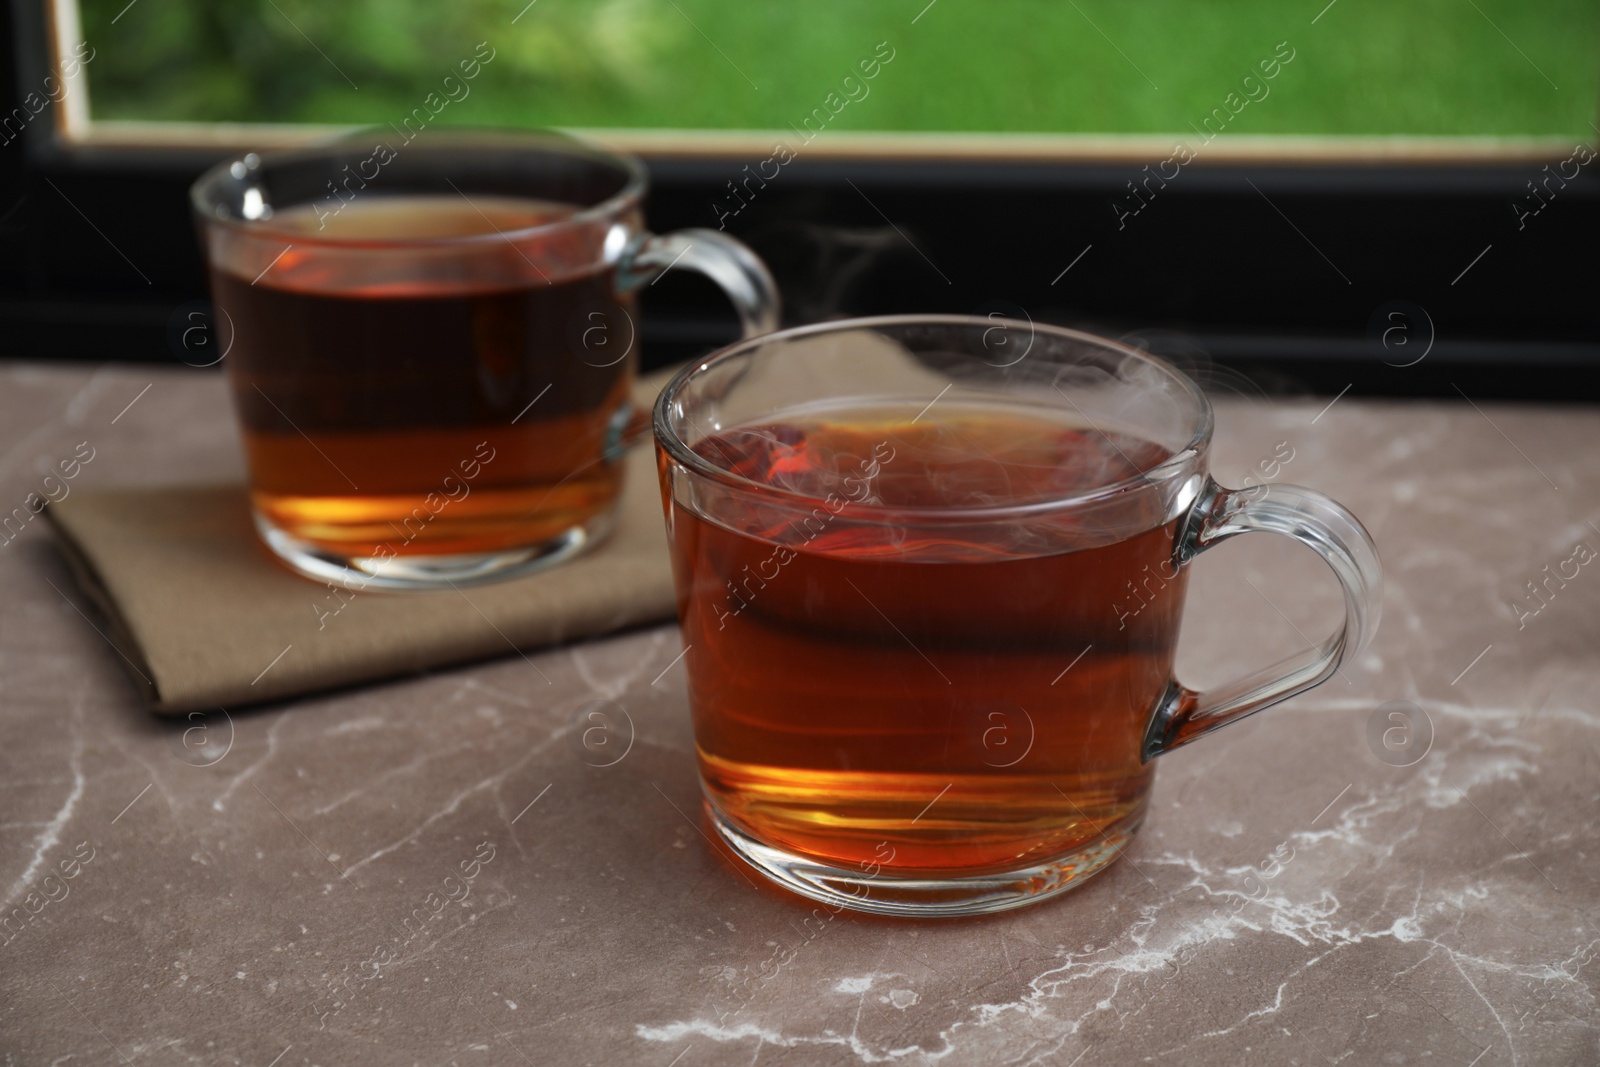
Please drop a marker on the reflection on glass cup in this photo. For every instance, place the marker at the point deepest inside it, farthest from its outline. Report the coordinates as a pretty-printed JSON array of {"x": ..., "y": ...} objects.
[
  {"x": 432, "y": 344},
  {"x": 931, "y": 600}
]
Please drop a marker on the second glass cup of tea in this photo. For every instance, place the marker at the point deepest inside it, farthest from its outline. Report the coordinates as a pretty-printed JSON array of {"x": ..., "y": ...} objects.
[
  {"x": 432, "y": 345},
  {"x": 930, "y": 571}
]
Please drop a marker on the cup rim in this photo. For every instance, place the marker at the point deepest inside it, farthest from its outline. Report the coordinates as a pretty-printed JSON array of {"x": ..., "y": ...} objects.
[
  {"x": 679, "y": 450},
  {"x": 636, "y": 183}
]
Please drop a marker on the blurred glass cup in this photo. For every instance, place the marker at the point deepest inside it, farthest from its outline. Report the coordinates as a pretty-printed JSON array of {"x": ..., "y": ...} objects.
[{"x": 431, "y": 347}]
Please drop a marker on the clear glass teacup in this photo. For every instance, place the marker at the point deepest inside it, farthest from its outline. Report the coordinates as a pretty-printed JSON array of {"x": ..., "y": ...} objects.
[
  {"x": 432, "y": 343},
  {"x": 930, "y": 572}
]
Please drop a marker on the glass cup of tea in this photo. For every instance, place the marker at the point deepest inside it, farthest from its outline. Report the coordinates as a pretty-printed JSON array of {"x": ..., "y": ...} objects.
[
  {"x": 431, "y": 345},
  {"x": 930, "y": 571}
]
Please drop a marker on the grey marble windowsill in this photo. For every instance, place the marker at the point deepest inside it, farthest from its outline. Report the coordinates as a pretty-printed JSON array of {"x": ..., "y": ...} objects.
[{"x": 284, "y": 903}]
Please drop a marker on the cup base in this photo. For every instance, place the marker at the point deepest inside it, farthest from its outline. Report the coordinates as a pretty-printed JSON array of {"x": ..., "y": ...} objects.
[
  {"x": 419, "y": 573},
  {"x": 885, "y": 894}
]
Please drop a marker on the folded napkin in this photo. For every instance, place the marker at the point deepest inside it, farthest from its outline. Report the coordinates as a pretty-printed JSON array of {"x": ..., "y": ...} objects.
[{"x": 207, "y": 618}]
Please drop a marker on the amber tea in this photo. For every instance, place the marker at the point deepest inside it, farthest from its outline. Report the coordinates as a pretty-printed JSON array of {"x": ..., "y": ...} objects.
[
  {"x": 424, "y": 416},
  {"x": 966, "y": 700}
]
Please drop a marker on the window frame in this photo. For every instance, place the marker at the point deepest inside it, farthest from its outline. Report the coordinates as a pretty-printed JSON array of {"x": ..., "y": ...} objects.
[{"x": 84, "y": 202}]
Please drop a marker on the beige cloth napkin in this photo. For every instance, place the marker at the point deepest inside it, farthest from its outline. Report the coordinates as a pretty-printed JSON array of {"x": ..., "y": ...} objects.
[{"x": 206, "y": 618}]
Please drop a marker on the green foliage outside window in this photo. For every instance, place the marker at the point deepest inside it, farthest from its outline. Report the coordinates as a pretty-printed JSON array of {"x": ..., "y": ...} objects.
[{"x": 1474, "y": 67}]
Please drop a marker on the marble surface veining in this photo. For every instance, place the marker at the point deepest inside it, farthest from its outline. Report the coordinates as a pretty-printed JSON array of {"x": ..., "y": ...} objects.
[{"x": 1400, "y": 867}]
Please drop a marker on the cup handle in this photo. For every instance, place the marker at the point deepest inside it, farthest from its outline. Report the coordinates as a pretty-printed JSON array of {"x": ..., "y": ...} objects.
[
  {"x": 1328, "y": 530},
  {"x": 728, "y": 262}
]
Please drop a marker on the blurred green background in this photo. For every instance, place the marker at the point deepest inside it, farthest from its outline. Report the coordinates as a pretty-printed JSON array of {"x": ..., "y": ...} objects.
[{"x": 1476, "y": 67}]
